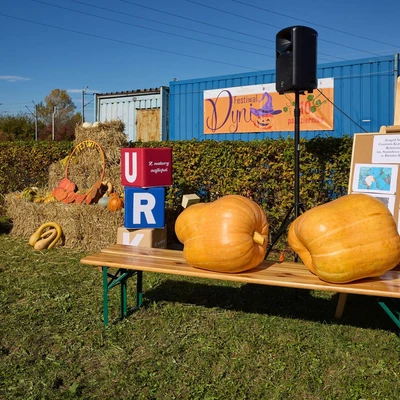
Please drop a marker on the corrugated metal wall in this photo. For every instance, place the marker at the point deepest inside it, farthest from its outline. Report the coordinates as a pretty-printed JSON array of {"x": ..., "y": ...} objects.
[
  {"x": 127, "y": 105},
  {"x": 363, "y": 98}
]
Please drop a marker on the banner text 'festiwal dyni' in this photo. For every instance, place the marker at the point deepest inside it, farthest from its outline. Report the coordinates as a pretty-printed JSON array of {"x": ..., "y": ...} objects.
[{"x": 259, "y": 108}]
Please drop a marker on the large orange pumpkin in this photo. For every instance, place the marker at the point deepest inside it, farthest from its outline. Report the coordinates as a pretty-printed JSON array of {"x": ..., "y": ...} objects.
[
  {"x": 347, "y": 239},
  {"x": 227, "y": 235}
]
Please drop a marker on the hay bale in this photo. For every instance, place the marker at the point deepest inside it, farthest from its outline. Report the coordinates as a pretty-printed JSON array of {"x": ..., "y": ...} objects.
[
  {"x": 85, "y": 177},
  {"x": 85, "y": 227},
  {"x": 56, "y": 173},
  {"x": 109, "y": 135},
  {"x": 113, "y": 175},
  {"x": 85, "y": 167}
]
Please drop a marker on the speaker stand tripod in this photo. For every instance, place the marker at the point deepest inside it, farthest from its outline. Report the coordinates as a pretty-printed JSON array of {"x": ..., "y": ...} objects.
[{"x": 296, "y": 207}]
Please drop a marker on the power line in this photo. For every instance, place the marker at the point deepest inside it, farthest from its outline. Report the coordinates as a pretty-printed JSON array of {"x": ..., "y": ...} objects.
[
  {"x": 151, "y": 29},
  {"x": 346, "y": 115},
  {"x": 197, "y": 21},
  {"x": 171, "y": 25},
  {"x": 259, "y": 39},
  {"x": 313, "y": 23},
  {"x": 129, "y": 43},
  {"x": 274, "y": 26},
  {"x": 13, "y": 104}
]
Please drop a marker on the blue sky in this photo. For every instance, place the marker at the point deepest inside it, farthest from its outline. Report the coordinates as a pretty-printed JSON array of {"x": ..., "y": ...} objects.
[{"x": 121, "y": 45}]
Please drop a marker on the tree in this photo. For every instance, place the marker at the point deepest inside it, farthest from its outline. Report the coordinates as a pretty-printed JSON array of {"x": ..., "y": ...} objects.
[
  {"x": 58, "y": 105},
  {"x": 17, "y": 127},
  {"x": 22, "y": 126},
  {"x": 64, "y": 105}
]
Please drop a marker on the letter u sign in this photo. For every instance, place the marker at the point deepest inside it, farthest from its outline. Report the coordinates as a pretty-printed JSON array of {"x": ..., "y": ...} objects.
[{"x": 130, "y": 167}]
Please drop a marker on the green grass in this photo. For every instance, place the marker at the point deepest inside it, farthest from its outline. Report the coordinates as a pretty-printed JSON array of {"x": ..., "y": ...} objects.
[{"x": 193, "y": 338}]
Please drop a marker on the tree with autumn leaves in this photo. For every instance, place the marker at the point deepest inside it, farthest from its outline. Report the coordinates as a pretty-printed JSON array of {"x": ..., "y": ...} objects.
[{"x": 22, "y": 126}]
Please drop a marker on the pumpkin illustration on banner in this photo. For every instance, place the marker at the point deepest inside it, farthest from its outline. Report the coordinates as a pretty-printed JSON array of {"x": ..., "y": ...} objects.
[
  {"x": 347, "y": 239},
  {"x": 227, "y": 235}
]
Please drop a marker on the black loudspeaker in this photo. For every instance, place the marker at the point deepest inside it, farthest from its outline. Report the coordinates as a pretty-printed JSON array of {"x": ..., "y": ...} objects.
[{"x": 296, "y": 59}]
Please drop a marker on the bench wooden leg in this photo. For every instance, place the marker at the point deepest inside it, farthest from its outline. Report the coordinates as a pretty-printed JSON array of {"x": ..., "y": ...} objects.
[
  {"x": 340, "y": 305},
  {"x": 105, "y": 296}
]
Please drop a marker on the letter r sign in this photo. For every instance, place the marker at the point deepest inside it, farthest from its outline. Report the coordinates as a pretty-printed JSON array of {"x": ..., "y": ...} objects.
[{"x": 144, "y": 208}]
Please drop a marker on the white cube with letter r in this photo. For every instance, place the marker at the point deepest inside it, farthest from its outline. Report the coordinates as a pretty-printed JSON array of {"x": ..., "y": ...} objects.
[{"x": 144, "y": 208}]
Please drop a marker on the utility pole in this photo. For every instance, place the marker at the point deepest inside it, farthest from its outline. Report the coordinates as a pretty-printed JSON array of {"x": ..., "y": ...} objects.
[
  {"x": 83, "y": 103},
  {"x": 53, "y": 117},
  {"x": 36, "y": 122},
  {"x": 36, "y": 119}
]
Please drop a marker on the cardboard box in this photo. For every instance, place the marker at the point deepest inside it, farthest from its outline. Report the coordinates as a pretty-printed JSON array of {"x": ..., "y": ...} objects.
[
  {"x": 156, "y": 238},
  {"x": 146, "y": 167},
  {"x": 189, "y": 199}
]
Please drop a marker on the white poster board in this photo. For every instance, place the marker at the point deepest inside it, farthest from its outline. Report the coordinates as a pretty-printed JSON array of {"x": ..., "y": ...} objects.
[{"x": 374, "y": 168}]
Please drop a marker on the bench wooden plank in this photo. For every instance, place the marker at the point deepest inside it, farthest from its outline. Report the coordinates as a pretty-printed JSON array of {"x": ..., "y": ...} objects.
[{"x": 273, "y": 273}]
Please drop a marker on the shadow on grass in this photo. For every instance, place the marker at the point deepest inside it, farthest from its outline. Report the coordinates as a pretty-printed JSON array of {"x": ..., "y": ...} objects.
[
  {"x": 360, "y": 311},
  {"x": 5, "y": 226}
]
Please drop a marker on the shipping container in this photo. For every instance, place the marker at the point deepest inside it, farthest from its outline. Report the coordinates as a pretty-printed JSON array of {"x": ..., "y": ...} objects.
[
  {"x": 145, "y": 113},
  {"x": 363, "y": 100}
]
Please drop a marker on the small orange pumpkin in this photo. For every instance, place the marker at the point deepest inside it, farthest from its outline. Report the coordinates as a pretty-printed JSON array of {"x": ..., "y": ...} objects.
[
  {"x": 115, "y": 203},
  {"x": 227, "y": 235}
]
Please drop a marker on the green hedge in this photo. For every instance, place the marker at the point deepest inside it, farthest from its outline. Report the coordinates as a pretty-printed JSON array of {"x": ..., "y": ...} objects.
[
  {"x": 24, "y": 164},
  {"x": 261, "y": 170}
]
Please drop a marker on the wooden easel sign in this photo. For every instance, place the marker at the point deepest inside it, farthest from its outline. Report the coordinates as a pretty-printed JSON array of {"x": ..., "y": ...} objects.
[{"x": 375, "y": 169}]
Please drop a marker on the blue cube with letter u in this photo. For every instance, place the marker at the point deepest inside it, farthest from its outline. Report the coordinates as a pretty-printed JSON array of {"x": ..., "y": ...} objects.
[{"x": 144, "y": 208}]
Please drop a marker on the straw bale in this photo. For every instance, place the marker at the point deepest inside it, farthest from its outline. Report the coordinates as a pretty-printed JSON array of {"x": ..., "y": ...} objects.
[
  {"x": 85, "y": 227},
  {"x": 85, "y": 177},
  {"x": 85, "y": 167},
  {"x": 109, "y": 135},
  {"x": 56, "y": 173},
  {"x": 113, "y": 175}
]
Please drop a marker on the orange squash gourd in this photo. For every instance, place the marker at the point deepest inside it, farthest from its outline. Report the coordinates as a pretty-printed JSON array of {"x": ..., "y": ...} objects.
[
  {"x": 349, "y": 238},
  {"x": 227, "y": 235},
  {"x": 115, "y": 203}
]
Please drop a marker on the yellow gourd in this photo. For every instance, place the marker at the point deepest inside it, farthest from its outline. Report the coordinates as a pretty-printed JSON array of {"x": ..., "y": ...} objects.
[
  {"x": 349, "y": 238},
  {"x": 46, "y": 239},
  {"x": 42, "y": 239},
  {"x": 227, "y": 235}
]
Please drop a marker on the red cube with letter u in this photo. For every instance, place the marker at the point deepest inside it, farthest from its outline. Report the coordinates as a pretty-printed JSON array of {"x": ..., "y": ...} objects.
[{"x": 146, "y": 167}]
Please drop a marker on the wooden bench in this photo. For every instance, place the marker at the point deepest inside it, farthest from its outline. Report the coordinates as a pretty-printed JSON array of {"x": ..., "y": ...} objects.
[{"x": 133, "y": 261}]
